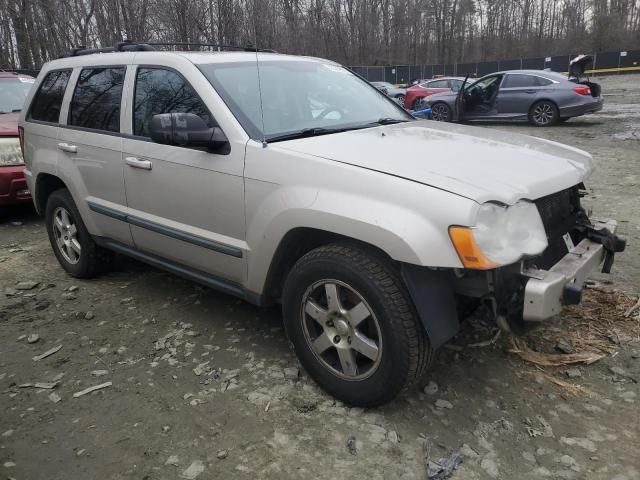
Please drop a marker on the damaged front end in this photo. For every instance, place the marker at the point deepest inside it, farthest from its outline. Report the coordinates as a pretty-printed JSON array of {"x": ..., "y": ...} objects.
[{"x": 535, "y": 289}]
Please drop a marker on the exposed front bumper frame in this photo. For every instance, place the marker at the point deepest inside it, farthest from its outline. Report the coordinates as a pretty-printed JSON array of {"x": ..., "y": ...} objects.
[{"x": 546, "y": 291}]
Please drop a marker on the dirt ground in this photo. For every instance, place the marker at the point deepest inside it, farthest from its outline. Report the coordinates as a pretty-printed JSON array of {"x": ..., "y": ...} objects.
[{"x": 198, "y": 381}]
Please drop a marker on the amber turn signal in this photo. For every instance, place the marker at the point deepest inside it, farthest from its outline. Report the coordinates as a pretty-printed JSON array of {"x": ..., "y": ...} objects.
[{"x": 470, "y": 254}]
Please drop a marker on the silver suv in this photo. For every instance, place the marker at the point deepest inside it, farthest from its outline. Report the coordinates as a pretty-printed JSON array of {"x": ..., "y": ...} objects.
[{"x": 284, "y": 179}]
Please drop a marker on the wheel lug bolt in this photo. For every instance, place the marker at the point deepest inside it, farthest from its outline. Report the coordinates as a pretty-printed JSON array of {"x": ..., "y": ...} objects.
[
  {"x": 336, "y": 339},
  {"x": 330, "y": 323}
]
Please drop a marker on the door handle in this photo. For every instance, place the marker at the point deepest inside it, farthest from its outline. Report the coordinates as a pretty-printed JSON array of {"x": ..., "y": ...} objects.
[
  {"x": 65, "y": 147},
  {"x": 137, "y": 163},
  {"x": 529, "y": 91}
]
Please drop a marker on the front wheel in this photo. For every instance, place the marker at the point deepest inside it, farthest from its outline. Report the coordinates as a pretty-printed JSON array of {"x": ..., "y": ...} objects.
[
  {"x": 353, "y": 324},
  {"x": 441, "y": 112},
  {"x": 544, "y": 114}
]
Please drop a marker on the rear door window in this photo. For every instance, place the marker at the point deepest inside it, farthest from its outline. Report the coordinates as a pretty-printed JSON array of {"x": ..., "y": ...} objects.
[
  {"x": 520, "y": 81},
  {"x": 159, "y": 90},
  {"x": 439, "y": 84},
  {"x": 47, "y": 102},
  {"x": 96, "y": 99}
]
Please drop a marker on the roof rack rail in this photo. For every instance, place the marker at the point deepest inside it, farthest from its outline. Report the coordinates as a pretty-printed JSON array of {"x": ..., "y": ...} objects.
[
  {"x": 219, "y": 46},
  {"x": 131, "y": 46},
  {"x": 125, "y": 46}
]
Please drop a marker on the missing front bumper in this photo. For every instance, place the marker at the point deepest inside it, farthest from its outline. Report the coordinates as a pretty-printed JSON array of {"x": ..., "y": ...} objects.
[{"x": 546, "y": 291}]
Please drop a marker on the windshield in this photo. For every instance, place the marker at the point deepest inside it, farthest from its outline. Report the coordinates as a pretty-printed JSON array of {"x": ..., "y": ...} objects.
[
  {"x": 298, "y": 95},
  {"x": 13, "y": 93}
]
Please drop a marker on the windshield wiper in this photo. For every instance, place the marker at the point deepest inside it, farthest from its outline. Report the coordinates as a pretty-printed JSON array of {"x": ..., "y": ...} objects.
[
  {"x": 388, "y": 121},
  {"x": 304, "y": 133},
  {"x": 15, "y": 110}
]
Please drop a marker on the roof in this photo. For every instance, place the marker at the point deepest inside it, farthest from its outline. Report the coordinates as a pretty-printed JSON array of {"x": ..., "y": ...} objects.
[{"x": 123, "y": 58}]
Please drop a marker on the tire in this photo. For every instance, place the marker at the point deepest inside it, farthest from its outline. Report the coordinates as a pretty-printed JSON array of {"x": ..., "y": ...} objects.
[
  {"x": 544, "y": 114},
  {"x": 72, "y": 244},
  {"x": 441, "y": 112},
  {"x": 367, "y": 283}
]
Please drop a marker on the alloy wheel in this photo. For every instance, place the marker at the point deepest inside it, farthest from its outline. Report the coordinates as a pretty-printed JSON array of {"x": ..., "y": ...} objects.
[
  {"x": 543, "y": 114},
  {"x": 341, "y": 329},
  {"x": 440, "y": 112},
  {"x": 66, "y": 235}
]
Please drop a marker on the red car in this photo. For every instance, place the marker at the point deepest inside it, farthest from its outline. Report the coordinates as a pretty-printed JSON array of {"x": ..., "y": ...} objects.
[
  {"x": 429, "y": 87},
  {"x": 14, "y": 89}
]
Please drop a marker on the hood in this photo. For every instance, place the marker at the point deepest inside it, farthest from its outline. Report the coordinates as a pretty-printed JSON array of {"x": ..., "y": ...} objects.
[
  {"x": 473, "y": 162},
  {"x": 578, "y": 65},
  {"x": 9, "y": 124}
]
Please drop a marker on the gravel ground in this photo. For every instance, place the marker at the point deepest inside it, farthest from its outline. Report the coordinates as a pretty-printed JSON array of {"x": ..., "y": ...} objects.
[{"x": 202, "y": 385}]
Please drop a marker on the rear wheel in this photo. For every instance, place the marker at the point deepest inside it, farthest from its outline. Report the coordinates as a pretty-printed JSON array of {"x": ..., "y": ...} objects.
[
  {"x": 72, "y": 244},
  {"x": 441, "y": 112},
  {"x": 353, "y": 324},
  {"x": 544, "y": 114}
]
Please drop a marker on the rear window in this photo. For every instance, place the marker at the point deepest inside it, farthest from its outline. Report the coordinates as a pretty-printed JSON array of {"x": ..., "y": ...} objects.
[
  {"x": 13, "y": 93},
  {"x": 48, "y": 100},
  {"x": 96, "y": 99}
]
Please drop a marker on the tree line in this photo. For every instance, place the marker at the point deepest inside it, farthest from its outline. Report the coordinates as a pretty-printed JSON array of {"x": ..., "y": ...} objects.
[{"x": 353, "y": 32}]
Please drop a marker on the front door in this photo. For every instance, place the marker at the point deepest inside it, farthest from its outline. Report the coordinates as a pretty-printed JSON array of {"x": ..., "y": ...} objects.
[
  {"x": 185, "y": 205},
  {"x": 90, "y": 147}
]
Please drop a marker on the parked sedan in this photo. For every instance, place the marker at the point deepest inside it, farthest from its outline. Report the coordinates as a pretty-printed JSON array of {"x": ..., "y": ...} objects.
[
  {"x": 541, "y": 97},
  {"x": 391, "y": 90},
  {"x": 416, "y": 93},
  {"x": 13, "y": 92}
]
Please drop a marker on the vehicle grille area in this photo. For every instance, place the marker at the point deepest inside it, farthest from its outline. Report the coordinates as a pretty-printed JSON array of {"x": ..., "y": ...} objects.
[{"x": 559, "y": 212}]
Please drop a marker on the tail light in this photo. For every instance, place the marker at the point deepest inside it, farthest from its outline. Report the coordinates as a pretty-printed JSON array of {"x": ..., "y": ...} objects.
[
  {"x": 582, "y": 90},
  {"x": 21, "y": 137}
]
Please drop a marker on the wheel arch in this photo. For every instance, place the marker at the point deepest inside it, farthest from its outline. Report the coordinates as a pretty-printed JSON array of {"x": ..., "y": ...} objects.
[
  {"x": 45, "y": 185},
  {"x": 296, "y": 243}
]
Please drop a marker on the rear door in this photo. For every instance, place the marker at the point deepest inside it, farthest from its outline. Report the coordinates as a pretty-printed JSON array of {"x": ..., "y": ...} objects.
[
  {"x": 186, "y": 205},
  {"x": 518, "y": 93},
  {"x": 90, "y": 146},
  {"x": 41, "y": 123}
]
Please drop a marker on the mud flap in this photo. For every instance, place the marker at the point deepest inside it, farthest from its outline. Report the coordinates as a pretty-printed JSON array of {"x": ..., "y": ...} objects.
[{"x": 433, "y": 297}]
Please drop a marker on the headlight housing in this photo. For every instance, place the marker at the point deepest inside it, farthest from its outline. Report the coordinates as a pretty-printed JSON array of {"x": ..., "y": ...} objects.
[
  {"x": 502, "y": 235},
  {"x": 10, "y": 153}
]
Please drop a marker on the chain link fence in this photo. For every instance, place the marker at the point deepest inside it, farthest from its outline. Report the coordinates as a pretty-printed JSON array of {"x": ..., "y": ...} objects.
[{"x": 604, "y": 63}]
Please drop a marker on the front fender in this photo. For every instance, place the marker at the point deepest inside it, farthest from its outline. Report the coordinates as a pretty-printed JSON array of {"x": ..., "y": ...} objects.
[{"x": 404, "y": 233}]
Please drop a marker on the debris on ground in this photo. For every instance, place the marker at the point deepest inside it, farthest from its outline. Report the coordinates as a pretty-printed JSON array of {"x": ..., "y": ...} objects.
[
  {"x": 440, "y": 403},
  {"x": 27, "y": 285},
  {"x": 565, "y": 347},
  {"x": 444, "y": 467},
  {"x": 222, "y": 454},
  {"x": 33, "y": 338},
  {"x": 92, "y": 389},
  {"x": 351, "y": 446},
  {"x": 520, "y": 348},
  {"x": 54, "y": 397},
  {"x": 47, "y": 353},
  {"x": 43, "y": 385},
  {"x": 195, "y": 469}
]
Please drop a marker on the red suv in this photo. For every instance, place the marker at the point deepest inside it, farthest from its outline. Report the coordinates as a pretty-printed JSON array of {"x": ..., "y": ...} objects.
[
  {"x": 14, "y": 89},
  {"x": 430, "y": 87}
]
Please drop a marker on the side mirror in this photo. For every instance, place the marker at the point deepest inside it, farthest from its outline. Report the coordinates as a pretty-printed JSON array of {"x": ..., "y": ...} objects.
[{"x": 187, "y": 130}]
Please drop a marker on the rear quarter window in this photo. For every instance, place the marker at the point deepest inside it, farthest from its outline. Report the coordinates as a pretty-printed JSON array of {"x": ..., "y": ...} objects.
[
  {"x": 47, "y": 101},
  {"x": 96, "y": 100}
]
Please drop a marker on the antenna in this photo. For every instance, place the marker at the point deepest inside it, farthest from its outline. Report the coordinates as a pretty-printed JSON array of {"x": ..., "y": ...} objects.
[{"x": 255, "y": 38}]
